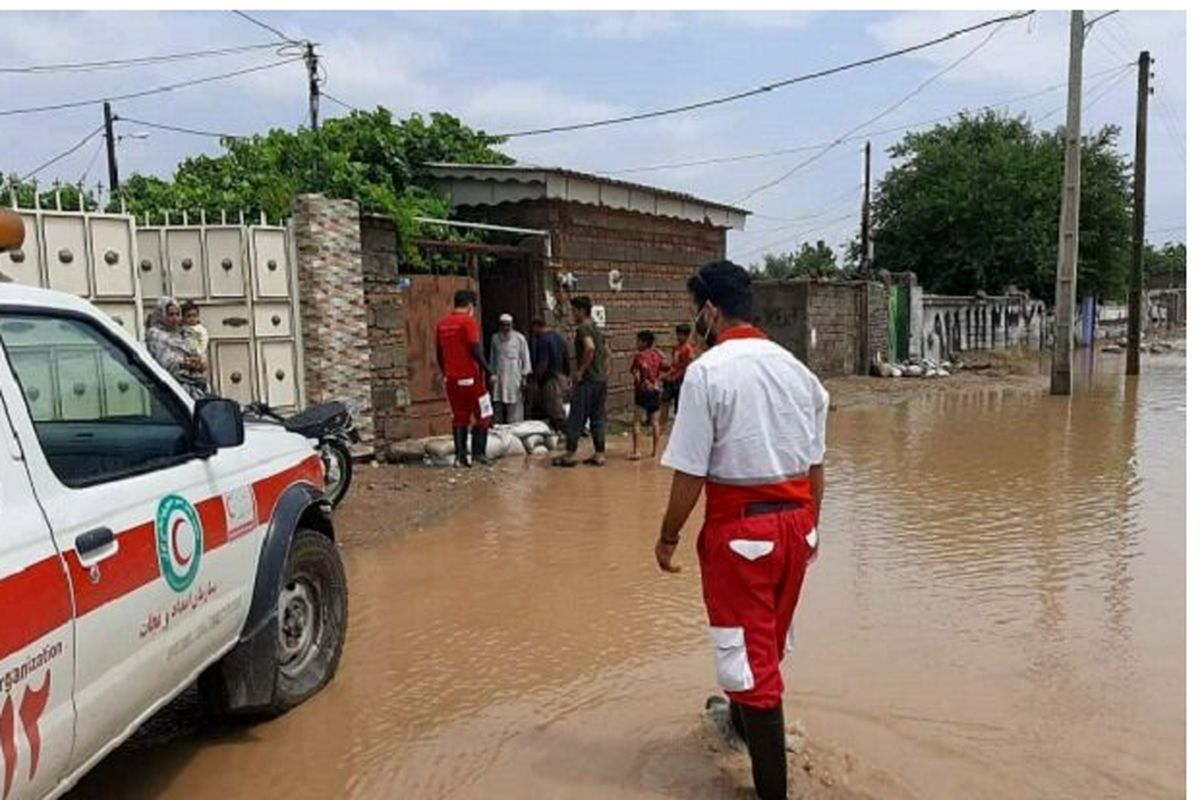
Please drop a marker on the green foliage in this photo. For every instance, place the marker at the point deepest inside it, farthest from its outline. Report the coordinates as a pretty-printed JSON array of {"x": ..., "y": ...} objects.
[
  {"x": 1170, "y": 259},
  {"x": 975, "y": 205},
  {"x": 809, "y": 261},
  {"x": 67, "y": 195}
]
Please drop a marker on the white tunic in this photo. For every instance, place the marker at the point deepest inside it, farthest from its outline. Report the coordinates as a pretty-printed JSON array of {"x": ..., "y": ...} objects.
[
  {"x": 749, "y": 413},
  {"x": 510, "y": 364}
]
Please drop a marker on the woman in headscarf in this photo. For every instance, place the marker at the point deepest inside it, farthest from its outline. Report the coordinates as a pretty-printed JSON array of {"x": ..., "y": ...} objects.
[{"x": 170, "y": 348}]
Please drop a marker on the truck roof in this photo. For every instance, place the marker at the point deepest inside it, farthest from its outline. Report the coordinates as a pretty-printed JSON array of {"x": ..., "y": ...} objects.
[{"x": 18, "y": 294}]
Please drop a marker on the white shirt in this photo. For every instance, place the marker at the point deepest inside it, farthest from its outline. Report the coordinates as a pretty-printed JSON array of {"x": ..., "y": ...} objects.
[{"x": 750, "y": 413}]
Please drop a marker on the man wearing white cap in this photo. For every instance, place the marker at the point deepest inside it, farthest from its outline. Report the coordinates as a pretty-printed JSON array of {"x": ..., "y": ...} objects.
[{"x": 511, "y": 365}]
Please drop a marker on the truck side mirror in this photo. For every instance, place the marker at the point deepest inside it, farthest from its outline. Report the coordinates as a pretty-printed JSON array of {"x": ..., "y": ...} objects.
[{"x": 217, "y": 423}]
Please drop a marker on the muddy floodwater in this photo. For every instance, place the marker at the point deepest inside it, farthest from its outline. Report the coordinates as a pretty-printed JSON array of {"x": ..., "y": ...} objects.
[{"x": 997, "y": 612}]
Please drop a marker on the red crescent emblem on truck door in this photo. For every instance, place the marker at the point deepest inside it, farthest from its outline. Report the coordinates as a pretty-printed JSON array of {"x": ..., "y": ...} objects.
[{"x": 180, "y": 557}]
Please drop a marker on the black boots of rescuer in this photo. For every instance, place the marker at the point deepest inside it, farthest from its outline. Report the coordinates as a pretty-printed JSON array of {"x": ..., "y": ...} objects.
[
  {"x": 479, "y": 439},
  {"x": 762, "y": 730},
  {"x": 460, "y": 448}
]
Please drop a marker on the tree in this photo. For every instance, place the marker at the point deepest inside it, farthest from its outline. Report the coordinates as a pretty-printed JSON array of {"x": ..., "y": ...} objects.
[
  {"x": 1170, "y": 259},
  {"x": 974, "y": 205},
  {"x": 808, "y": 261}
]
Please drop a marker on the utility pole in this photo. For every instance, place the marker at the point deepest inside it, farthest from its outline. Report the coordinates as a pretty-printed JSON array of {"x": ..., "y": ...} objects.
[
  {"x": 1068, "y": 224},
  {"x": 1133, "y": 353},
  {"x": 111, "y": 142},
  {"x": 314, "y": 88},
  {"x": 865, "y": 256}
]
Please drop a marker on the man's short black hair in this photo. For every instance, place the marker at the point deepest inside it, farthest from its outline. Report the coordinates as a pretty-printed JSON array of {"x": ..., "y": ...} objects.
[
  {"x": 537, "y": 322},
  {"x": 464, "y": 298},
  {"x": 646, "y": 336},
  {"x": 683, "y": 329},
  {"x": 583, "y": 303},
  {"x": 724, "y": 284},
  {"x": 188, "y": 305}
]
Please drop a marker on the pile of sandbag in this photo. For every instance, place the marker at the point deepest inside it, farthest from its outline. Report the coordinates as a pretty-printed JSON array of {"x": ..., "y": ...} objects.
[
  {"x": 913, "y": 368},
  {"x": 534, "y": 438}
]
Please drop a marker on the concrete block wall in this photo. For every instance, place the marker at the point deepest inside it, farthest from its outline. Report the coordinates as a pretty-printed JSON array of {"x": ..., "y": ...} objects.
[
  {"x": 835, "y": 327},
  {"x": 385, "y": 331},
  {"x": 333, "y": 314},
  {"x": 951, "y": 324}
]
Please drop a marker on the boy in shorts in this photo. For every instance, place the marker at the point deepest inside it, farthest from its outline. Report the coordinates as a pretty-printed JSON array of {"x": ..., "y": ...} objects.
[{"x": 647, "y": 367}]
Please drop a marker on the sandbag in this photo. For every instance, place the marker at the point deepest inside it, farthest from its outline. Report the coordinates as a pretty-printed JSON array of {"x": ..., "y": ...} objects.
[
  {"x": 515, "y": 447},
  {"x": 532, "y": 441},
  {"x": 528, "y": 428},
  {"x": 438, "y": 446}
]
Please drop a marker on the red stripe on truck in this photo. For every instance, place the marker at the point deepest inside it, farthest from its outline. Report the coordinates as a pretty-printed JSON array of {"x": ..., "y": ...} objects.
[{"x": 36, "y": 599}]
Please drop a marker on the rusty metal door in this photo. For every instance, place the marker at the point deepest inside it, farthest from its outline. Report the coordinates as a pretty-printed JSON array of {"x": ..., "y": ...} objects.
[{"x": 427, "y": 298}]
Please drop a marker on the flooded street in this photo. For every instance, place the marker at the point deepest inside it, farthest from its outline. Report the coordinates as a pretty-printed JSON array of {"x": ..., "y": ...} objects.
[{"x": 997, "y": 612}]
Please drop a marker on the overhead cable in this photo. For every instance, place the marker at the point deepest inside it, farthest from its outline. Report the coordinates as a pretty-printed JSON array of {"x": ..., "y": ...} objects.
[
  {"x": 859, "y": 137},
  {"x": 915, "y": 91},
  {"x": 63, "y": 154},
  {"x": 767, "y": 87},
  {"x": 119, "y": 63},
  {"x": 8, "y": 112}
]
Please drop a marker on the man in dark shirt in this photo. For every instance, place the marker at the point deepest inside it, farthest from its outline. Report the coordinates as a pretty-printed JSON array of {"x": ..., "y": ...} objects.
[
  {"x": 589, "y": 394},
  {"x": 551, "y": 373}
]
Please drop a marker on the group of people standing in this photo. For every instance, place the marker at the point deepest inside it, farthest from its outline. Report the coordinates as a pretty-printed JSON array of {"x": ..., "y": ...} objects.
[{"x": 515, "y": 371}]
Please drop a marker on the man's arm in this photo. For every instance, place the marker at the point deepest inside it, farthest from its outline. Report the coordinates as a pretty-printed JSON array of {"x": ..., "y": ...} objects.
[
  {"x": 477, "y": 354},
  {"x": 685, "y": 491},
  {"x": 589, "y": 355},
  {"x": 816, "y": 478}
]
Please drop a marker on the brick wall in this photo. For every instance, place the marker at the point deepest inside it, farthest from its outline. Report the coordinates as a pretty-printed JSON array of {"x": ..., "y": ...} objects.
[
  {"x": 385, "y": 330},
  {"x": 333, "y": 313},
  {"x": 654, "y": 257},
  {"x": 824, "y": 322}
]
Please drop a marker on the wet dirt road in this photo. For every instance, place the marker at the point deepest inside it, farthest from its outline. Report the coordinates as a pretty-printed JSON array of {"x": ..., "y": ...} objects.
[{"x": 998, "y": 611}]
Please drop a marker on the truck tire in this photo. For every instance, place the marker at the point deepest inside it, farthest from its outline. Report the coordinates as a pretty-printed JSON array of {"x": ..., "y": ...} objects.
[{"x": 312, "y": 619}]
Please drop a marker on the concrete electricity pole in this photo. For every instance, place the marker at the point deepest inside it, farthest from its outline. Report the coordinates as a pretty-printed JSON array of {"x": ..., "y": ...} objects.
[
  {"x": 1068, "y": 225},
  {"x": 110, "y": 142},
  {"x": 1133, "y": 354},
  {"x": 865, "y": 258}
]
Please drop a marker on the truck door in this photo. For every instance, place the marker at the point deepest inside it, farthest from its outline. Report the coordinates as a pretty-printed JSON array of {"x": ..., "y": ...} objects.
[
  {"x": 142, "y": 521},
  {"x": 37, "y": 649}
]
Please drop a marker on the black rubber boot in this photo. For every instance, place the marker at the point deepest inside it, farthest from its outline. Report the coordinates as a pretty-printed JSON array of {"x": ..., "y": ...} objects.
[
  {"x": 764, "y": 733},
  {"x": 479, "y": 438},
  {"x": 460, "y": 447}
]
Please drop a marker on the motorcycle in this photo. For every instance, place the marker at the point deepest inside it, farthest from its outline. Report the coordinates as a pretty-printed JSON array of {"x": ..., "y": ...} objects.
[{"x": 330, "y": 424}]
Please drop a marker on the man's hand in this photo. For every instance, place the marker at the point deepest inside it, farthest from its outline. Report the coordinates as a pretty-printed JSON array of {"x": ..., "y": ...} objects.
[{"x": 663, "y": 553}]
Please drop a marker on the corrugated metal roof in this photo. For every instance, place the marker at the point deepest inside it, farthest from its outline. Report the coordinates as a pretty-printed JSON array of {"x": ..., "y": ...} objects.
[{"x": 491, "y": 184}]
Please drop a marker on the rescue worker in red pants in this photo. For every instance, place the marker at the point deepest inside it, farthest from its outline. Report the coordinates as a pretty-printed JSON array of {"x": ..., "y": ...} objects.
[
  {"x": 465, "y": 374},
  {"x": 750, "y": 433}
]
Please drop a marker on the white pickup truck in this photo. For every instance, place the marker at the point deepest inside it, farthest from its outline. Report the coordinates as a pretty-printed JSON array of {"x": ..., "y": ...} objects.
[{"x": 146, "y": 542}]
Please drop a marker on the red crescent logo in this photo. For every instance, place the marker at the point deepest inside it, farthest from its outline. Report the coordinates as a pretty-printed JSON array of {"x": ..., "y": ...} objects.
[{"x": 179, "y": 557}]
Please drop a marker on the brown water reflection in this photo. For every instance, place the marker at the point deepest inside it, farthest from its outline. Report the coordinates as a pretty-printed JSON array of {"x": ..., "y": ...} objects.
[{"x": 998, "y": 611}]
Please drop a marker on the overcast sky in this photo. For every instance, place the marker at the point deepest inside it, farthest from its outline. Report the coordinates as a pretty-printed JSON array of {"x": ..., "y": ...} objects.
[{"x": 506, "y": 71}]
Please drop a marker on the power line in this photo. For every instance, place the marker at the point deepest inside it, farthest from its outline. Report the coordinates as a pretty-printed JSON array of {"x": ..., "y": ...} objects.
[
  {"x": 1096, "y": 19},
  {"x": 266, "y": 27},
  {"x": 119, "y": 63},
  {"x": 341, "y": 103},
  {"x": 1112, "y": 85},
  {"x": 917, "y": 90},
  {"x": 64, "y": 154},
  {"x": 8, "y": 112},
  {"x": 835, "y": 205},
  {"x": 768, "y": 87},
  {"x": 180, "y": 129},
  {"x": 797, "y": 236},
  {"x": 1103, "y": 87},
  {"x": 858, "y": 137},
  {"x": 91, "y": 162}
]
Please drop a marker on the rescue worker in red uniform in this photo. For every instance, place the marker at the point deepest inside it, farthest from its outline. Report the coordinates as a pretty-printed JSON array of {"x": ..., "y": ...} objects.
[
  {"x": 465, "y": 374},
  {"x": 750, "y": 433}
]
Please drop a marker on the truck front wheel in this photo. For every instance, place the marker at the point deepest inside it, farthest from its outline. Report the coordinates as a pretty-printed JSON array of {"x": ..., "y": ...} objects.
[{"x": 311, "y": 619}]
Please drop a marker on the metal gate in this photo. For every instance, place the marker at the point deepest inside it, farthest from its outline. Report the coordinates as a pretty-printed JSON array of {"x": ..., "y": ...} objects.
[{"x": 242, "y": 276}]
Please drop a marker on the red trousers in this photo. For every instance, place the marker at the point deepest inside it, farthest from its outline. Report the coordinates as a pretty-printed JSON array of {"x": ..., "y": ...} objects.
[
  {"x": 469, "y": 400},
  {"x": 751, "y": 570}
]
